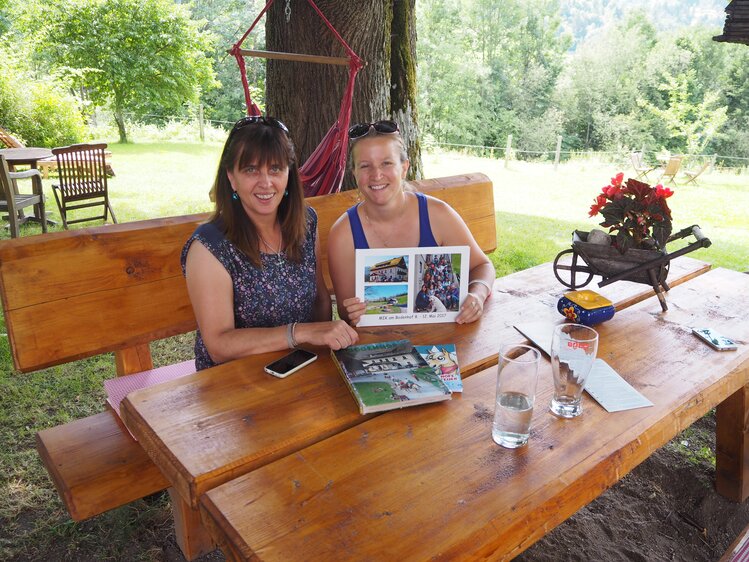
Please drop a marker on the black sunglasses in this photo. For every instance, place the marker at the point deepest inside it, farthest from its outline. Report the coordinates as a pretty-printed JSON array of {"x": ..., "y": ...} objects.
[
  {"x": 384, "y": 126},
  {"x": 252, "y": 119}
]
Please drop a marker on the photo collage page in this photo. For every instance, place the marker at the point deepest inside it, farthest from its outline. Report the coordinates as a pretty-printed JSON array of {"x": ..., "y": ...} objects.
[{"x": 411, "y": 285}]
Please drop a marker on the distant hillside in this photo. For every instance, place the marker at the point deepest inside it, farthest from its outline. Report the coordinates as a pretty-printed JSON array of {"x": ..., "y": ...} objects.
[{"x": 582, "y": 18}]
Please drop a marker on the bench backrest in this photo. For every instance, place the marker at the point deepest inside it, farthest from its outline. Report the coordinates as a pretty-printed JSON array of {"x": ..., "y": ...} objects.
[{"x": 78, "y": 293}]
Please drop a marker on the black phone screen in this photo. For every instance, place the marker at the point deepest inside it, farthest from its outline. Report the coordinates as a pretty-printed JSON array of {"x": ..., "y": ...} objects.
[{"x": 291, "y": 361}]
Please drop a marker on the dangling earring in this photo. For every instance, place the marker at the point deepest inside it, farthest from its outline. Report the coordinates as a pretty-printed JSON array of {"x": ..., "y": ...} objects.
[
  {"x": 234, "y": 196},
  {"x": 286, "y": 193}
]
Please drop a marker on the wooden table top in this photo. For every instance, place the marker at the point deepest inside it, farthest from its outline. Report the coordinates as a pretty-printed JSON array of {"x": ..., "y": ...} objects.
[
  {"x": 429, "y": 482},
  {"x": 29, "y": 155},
  {"x": 205, "y": 429}
]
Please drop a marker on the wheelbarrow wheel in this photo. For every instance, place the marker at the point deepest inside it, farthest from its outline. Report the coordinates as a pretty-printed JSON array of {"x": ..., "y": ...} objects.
[{"x": 567, "y": 269}]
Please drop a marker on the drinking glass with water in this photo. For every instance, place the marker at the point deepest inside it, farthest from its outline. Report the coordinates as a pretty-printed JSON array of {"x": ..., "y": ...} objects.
[
  {"x": 516, "y": 392},
  {"x": 573, "y": 350}
]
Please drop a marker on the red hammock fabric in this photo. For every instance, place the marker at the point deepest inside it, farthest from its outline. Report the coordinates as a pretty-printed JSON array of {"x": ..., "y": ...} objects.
[{"x": 323, "y": 171}]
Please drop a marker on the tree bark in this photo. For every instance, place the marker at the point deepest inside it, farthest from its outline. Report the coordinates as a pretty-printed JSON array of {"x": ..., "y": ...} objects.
[
  {"x": 119, "y": 118},
  {"x": 307, "y": 96}
]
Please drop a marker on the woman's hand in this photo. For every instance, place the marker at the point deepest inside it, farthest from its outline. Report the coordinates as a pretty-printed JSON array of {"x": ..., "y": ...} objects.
[
  {"x": 354, "y": 309},
  {"x": 335, "y": 334},
  {"x": 472, "y": 309}
]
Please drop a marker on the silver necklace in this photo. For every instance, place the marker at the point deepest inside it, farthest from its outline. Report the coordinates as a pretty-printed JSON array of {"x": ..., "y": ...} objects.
[
  {"x": 279, "y": 257},
  {"x": 377, "y": 232},
  {"x": 385, "y": 241}
]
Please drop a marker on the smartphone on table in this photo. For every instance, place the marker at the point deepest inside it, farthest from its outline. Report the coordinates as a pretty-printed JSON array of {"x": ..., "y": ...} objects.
[
  {"x": 714, "y": 339},
  {"x": 290, "y": 363}
]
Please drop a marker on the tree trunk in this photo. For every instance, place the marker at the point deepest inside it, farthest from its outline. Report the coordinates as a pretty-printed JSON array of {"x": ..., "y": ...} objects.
[
  {"x": 119, "y": 118},
  {"x": 307, "y": 96}
]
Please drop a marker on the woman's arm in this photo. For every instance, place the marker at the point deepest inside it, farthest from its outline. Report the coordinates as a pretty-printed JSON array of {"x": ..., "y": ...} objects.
[
  {"x": 211, "y": 294},
  {"x": 449, "y": 229},
  {"x": 342, "y": 265}
]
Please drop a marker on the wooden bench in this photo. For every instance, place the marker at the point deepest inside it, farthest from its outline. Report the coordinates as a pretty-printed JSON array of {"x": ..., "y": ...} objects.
[{"x": 75, "y": 294}]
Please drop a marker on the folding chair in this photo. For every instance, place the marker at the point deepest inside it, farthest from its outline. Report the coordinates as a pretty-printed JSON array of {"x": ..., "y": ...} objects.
[
  {"x": 640, "y": 167},
  {"x": 671, "y": 169},
  {"x": 82, "y": 182},
  {"x": 692, "y": 175}
]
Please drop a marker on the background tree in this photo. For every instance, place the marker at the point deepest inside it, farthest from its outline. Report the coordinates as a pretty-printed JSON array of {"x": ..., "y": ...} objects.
[
  {"x": 226, "y": 21},
  {"x": 130, "y": 54},
  {"x": 308, "y": 96}
]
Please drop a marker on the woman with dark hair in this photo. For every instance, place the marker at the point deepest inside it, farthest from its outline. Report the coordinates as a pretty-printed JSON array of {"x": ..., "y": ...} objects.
[
  {"x": 251, "y": 270},
  {"x": 393, "y": 215}
]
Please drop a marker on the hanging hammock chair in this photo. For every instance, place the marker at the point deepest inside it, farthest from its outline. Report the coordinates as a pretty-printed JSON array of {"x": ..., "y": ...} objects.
[{"x": 323, "y": 171}]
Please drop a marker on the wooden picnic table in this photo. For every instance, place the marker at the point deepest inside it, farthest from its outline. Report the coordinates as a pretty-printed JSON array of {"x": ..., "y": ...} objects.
[
  {"x": 211, "y": 427},
  {"x": 429, "y": 482}
]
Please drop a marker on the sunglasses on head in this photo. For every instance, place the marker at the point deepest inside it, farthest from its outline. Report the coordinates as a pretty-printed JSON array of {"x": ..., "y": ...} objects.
[
  {"x": 384, "y": 126},
  {"x": 252, "y": 119}
]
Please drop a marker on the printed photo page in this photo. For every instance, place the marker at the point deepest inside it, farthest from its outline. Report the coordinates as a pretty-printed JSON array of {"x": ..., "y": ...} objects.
[{"x": 412, "y": 285}]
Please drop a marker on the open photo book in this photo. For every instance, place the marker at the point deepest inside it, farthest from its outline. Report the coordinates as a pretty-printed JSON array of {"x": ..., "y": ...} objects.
[
  {"x": 411, "y": 285},
  {"x": 389, "y": 375}
]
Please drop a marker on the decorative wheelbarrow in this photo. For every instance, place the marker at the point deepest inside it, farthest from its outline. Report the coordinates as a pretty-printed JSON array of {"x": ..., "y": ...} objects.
[{"x": 574, "y": 268}]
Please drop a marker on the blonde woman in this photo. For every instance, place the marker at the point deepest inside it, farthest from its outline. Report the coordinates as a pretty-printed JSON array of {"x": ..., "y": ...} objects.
[{"x": 390, "y": 215}]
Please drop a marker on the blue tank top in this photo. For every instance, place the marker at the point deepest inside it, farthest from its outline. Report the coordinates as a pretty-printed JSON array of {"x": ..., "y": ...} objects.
[{"x": 426, "y": 238}]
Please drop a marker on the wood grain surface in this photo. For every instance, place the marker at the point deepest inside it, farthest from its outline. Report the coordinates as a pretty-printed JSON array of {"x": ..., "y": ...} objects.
[
  {"x": 207, "y": 428},
  {"x": 429, "y": 482}
]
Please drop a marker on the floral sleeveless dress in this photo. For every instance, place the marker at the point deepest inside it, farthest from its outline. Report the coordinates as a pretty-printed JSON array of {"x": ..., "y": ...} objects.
[{"x": 279, "y": 293}]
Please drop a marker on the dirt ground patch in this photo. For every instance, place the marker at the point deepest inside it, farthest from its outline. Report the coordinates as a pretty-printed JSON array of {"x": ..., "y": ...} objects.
[{"x": 665, "y": 509}]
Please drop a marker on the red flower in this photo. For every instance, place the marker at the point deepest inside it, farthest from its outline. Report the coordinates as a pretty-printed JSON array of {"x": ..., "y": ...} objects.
[
  {"x": 635, "y": 213},
  {"x": 613, "y": 191},
  {"x": 596, "y": 207},
  {"x": 663, "y": 192}
]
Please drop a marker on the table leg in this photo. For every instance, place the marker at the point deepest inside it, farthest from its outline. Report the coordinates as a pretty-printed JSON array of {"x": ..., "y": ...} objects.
[
  {"x": 732, "y": 444},
  {"x": 192, "y": 537}
]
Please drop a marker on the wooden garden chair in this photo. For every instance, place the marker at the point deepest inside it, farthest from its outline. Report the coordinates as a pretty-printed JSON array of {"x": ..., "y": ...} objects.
[
  {"x": 13, "y": 202},
  {"x": 671, "y": 169},
  {"x": 82, "y": 182},
  {"x": 641, "y": 169},
  {"x": 692, "y": 175}
]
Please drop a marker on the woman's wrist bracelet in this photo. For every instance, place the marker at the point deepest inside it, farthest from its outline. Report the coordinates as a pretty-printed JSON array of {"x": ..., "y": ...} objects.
[
  {"x": 290, "y": 341},
  {"x": 481, "y": 282},
  {"x": 293, "y": 334}
]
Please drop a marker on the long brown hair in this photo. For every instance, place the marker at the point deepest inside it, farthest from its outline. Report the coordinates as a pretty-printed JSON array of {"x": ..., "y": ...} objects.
[{"x": 259, "y": 143}]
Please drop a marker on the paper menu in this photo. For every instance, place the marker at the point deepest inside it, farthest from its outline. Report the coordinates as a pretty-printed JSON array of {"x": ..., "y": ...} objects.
[
  {"x": 604, "y": 384},
  {"x": 611, "y": 391},
  {"x": 539, "y": 333}
]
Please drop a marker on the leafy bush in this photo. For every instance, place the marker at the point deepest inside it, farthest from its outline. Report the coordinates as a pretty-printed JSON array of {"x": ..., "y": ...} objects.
[
  {"x": 55, "y": 118},
  {"x": 37, "y": 113}
]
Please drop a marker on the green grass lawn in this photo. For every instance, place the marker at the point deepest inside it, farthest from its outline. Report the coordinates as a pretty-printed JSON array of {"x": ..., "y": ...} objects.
[{"x": 537, "y": 210}]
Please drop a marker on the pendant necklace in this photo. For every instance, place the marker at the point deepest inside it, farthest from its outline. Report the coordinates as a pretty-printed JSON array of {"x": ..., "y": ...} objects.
[
  {"x": 380, "y": 236},
  {"x": 279, "y": 257},
  {"x": 385, "y": 241}
]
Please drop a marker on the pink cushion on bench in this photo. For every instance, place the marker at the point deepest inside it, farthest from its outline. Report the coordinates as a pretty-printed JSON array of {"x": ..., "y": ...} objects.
[{"x": 120, "y": 387}]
